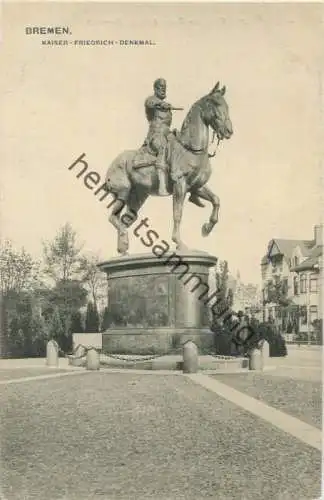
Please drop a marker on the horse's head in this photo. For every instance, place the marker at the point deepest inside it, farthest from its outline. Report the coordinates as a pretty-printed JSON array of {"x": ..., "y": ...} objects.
[{"x": 214, "y": 112}]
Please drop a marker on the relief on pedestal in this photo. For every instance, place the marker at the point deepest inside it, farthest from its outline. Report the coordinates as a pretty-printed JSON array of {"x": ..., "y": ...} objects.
[{"x": 139, "y": 301}]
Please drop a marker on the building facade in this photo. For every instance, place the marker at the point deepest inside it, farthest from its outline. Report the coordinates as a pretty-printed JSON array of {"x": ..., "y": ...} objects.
[
  {"x": 292, "y": 284},
  {"x": 246, "y": 297}
]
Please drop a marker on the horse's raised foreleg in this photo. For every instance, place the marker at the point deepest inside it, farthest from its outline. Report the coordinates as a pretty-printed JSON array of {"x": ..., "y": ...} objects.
[
  {"x": 179, "y": 194},
  {"x": 205, "y": 193}
]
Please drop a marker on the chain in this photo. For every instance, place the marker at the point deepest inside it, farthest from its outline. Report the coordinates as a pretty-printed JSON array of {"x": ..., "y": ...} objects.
[
  {"x": 60, "y": 351},
  {"x": 86, "y": 349},
  {"x": 136, "y": 359},
  {"x": 225, "y": 358},
  {"x": 130, "y": 359}
]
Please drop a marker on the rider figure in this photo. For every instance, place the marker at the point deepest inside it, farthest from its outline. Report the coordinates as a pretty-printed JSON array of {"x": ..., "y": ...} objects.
[{"x": 159, "y": 115}]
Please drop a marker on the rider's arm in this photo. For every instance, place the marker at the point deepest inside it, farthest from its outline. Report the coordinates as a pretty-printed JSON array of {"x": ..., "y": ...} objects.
[{"x": 155, "y": 103}]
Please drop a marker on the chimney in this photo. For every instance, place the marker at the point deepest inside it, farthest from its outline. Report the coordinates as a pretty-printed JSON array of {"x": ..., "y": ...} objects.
[{"x": 319, "y": 235}]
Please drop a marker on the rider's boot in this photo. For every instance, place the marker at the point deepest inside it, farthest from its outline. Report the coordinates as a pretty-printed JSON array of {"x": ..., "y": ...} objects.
[
  {"x": 163, "y": 191},
  {"x": 161, "y": 168}
]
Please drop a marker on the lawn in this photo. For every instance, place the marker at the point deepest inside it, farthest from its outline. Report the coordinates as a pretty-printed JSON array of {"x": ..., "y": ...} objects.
[
  {"x": 121, "y": 436},
  {"x": 299, "y": 398}
]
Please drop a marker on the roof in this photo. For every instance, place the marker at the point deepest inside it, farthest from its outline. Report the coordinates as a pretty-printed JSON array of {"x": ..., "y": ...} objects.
[
  {"x": 311, "y": 261},
  {"x": 287, "y": 246}
]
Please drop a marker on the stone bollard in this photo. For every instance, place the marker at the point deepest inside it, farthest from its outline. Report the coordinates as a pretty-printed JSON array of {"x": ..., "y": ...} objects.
[
  {"x": 52, "y": 353},
  {"x": 190, "y": 357},
  {"x": 265, "y": 350},
  {"x": 93, "y": 361},
  {"x": 256, "y": 360}
]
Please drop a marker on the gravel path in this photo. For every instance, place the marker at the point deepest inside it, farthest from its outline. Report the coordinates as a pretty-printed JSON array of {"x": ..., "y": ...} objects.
[
  {"x": 299, "y": 398},
  {"x": 135, "y": 437}
]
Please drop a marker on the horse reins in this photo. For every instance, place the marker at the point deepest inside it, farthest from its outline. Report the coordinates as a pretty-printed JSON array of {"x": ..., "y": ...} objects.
[
  {"x": 218, "y": 141},
  {"x": 200, "y": 151}
]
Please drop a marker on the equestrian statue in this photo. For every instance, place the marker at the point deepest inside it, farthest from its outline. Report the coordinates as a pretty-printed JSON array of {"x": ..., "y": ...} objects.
[{"x": 169, "y": 163}]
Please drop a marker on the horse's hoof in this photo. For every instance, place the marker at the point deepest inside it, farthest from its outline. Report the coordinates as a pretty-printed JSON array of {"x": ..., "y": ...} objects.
[
  {"x": 205, "y": 230},
  {"x": 182, "y": 248},
  {"x": 122, "y": 249}
]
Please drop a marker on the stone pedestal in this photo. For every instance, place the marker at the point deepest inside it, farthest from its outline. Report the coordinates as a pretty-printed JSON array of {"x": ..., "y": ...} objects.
[{"x": 156, "y": 304}]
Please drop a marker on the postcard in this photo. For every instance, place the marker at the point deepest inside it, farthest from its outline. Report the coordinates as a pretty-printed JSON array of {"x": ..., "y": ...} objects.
[{"x": 161, "y": 241}]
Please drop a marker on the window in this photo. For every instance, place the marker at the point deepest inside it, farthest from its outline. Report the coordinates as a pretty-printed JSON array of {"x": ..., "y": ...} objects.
[
  {"x": 313, "y": 314},
  {"x": 277, "y": 266},
  {"x": 303, "y": 315},
  {"x": 303, "y": 283},
  {"x": 313, "y": 284},
  {"x": 296, "y": 261},
  {"x": 264, "y": 294},
  {"x": 285, "y": 287},
  {"x": 296, "y": 288}
]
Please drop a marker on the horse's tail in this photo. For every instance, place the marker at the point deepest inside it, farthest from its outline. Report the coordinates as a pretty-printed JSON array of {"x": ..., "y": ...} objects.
[{"x": 117, "y": 179}]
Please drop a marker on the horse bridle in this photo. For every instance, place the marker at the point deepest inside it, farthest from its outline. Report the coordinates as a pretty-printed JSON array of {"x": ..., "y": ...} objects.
[{"x": 201, "y": 151}]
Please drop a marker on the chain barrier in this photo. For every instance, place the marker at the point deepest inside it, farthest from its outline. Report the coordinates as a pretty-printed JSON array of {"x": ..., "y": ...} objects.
[
  {"x": 225, "y": 358},
  {"x": 132, "y": 359},
  {"x": 125, "y": 358},
  {"x": 72, "y": 355}
]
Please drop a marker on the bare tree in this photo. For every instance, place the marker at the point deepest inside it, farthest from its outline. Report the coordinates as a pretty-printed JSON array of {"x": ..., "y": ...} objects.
[
  {"x": 93, "y": 278},
  {"x": 62, "y": 256},
  {"x": 18, "y": 270}
]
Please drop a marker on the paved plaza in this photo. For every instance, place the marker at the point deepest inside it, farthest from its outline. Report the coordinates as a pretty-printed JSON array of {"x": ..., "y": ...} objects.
[{"x": 133, "y": 434}]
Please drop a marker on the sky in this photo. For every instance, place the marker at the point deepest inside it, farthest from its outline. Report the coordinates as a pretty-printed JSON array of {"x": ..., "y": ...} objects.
[{"x": 59, "y": 102}]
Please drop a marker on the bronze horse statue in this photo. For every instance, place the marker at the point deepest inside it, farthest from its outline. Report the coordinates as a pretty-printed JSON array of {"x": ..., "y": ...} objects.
[{"x": 189, "y": 150}]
